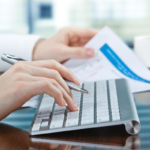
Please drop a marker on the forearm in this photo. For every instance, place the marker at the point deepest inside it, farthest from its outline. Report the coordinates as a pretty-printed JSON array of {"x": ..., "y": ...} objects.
[
  {"x": 3, "y": 110},
  {"x": 5, "y": 105}
]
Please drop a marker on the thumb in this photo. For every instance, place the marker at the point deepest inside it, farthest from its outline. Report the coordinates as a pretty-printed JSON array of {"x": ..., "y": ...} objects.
[{"x": 80, "y": 52}]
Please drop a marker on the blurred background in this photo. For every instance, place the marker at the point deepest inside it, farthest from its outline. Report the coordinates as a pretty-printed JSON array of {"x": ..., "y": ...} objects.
[{"x": 128, "y": 18}]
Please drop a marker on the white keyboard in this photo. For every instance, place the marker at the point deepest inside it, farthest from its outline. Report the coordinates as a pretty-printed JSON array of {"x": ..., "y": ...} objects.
[{"x": 99, "y": 108}]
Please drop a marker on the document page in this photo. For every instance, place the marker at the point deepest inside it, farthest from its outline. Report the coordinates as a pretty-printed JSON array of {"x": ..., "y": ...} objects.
[{"x": 113, "y": 60}]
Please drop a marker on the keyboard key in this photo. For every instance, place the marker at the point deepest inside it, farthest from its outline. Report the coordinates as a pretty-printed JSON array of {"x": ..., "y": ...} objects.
[
  {"x": 43, "y": 116},
  {"x": 58, "y": 117},
  {"x": 46, "y": 106},
  {"x": 44, "y": 124},
  {"x": 114, "y": 100},
  {"x": 88, "y": 105},
  {"x": 104, "y": 114},
  {"x": 72, "y": 121},
  {"x": 86, "y": 122},
  {"x": 115, "y": 111},
  {"x": 36, "y": 125},
  {"x": 72, "y": 114},
  {"x": 35, "y": 128},
  {"x": 99, "y": 106},
  {"x": 102, "y": 111},
  {"x": 116, "y": 118},
  {"x": 56, "y": 124},
  {"x": 84, "y": 114},
  {"x": 72, "y": 118},
  {"x": 102, "y": 119},
  {"x": 115, "y": 108},
  {"x": 102, "y": 102}
]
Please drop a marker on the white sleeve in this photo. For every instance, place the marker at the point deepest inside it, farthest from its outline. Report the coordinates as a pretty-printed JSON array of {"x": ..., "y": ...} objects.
[{"x": 18, "y": 45}]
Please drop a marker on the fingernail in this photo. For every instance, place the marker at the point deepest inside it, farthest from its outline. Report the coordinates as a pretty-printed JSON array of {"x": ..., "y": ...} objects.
[
  {"x": 65, "y": 103},
  {"x": 76, "y": 107},
  {"x": 78, "y": 81},
  {"x": 90, "y": 52}
]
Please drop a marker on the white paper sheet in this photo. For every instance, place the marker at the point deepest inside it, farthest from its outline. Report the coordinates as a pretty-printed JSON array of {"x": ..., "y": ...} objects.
[{"x": 113, "y": 60}]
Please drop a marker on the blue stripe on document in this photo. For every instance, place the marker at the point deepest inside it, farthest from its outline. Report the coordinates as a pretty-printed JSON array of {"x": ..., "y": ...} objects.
[{"x": 119, "y": 64}]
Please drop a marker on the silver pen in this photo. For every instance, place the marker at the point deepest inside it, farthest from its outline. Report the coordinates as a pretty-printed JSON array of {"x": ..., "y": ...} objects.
[{"x": 13, "y": 59}]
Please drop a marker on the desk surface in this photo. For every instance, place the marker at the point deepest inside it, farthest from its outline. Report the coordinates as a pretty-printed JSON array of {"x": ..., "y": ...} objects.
[{"x": 16, "y": 136}]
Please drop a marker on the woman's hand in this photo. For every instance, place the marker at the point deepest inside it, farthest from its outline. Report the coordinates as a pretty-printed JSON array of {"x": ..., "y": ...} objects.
[
  {"x": 67, "y": 43},
  {"x": 27, "y": 79}
]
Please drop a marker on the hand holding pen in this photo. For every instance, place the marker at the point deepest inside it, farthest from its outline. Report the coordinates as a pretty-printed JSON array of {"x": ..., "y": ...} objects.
[
  {"x": 27, "y": 79},
  {"x": 13, "y": 59}
]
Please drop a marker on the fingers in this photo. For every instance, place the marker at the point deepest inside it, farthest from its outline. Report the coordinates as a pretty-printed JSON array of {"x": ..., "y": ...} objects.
[
  {"x": 52, "y": 88},
  {"x": 80, "y": 52},
  {"x": 30, "y": 89},
  {"x": 48, "y": 73},
  {"x": 76, "y": 39},
  {"x": 52, "y": 64},
  {"x": 81, "y": 33},
  {"x": 86, "y": 33},
  {"x": 52, "y": 82},
  {"x": 71, "y": 105}
]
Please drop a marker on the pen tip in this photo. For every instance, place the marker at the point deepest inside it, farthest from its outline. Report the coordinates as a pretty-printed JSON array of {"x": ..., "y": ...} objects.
[{"x": 84, "y": 91}]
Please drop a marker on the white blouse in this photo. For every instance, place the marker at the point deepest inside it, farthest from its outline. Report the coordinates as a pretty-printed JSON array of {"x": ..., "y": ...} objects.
[{"x": 18, "y": 45}]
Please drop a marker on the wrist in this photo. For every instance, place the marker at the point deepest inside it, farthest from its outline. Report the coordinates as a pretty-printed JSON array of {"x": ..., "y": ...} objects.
[{"x": 36, "y": 49}]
